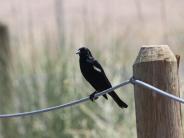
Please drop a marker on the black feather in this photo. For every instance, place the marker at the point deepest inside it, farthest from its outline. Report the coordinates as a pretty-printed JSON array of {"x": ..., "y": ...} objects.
[{"x": 95, "y": 75}]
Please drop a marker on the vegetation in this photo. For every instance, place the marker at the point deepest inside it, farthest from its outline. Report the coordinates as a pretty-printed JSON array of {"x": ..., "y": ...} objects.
[{"x": 44, "y": 69}]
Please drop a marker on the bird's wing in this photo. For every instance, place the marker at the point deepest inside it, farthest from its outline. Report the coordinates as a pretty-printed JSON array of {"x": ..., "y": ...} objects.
[
  {"x": 97, "y": 66},
  {"x": 101, "y": 74}
]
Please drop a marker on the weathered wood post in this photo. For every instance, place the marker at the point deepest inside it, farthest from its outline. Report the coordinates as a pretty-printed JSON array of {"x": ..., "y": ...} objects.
[
  {"x": 156, "y": 115},
  {"x": 8, "y": 128},
  {"x": 4, "y": 64}
]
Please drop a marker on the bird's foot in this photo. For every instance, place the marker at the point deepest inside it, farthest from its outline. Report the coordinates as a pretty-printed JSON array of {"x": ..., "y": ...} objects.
[{"x": 92, "y": 96}]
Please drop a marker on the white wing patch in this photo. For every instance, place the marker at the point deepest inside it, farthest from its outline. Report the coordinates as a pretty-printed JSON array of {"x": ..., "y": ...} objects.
[{"x": 97, "y": 69}]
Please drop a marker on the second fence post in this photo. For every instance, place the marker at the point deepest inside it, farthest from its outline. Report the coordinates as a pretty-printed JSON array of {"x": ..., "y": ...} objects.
[{"x": 156, "y": 115}]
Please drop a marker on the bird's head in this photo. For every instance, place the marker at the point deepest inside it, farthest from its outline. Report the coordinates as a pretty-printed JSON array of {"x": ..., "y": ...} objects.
[{"x": 84, "y": 52}]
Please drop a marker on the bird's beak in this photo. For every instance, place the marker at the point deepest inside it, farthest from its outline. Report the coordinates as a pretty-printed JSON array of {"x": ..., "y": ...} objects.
[{"x": 78, "y": 52}]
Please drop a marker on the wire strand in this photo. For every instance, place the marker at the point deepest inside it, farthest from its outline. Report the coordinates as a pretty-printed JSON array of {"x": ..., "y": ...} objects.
[
  {"x": 156, "y": 90},
  {"x": 74, "y": 102}
]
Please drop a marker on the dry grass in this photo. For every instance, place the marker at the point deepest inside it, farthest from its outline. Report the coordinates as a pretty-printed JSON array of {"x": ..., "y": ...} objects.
[{"x": 44, "y": 69}]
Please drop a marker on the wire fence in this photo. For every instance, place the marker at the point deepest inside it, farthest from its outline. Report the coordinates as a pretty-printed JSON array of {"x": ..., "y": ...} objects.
[
  {"x": 74, "y": 102},
  {"x": 82, "y": 100},
  {"x": 156, "y": 90}
]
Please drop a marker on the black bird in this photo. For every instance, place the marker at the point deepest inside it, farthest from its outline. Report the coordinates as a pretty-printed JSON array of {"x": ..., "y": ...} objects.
[{"x": 95, "y": 75}]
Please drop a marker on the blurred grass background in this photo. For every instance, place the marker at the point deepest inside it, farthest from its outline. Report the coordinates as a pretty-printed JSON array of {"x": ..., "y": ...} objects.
[{"x": 44, "y": 71}]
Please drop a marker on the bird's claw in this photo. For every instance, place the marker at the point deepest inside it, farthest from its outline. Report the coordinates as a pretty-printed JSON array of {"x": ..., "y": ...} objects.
[{"x": 92, "y": 96}]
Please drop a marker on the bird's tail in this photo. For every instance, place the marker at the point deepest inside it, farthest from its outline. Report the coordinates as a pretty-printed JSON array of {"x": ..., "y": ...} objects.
[{"x": 116, "y": 98}]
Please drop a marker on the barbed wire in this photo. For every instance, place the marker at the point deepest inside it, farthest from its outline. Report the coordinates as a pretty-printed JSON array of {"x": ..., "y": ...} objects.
[{"x": 82, "y": 100}]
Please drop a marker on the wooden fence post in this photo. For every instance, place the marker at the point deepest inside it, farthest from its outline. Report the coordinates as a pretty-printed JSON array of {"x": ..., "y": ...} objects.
[
  {"x": 8, "y": 128},
  {"x": 4, "y": 66},
  {"x": 156, "y": 115}
]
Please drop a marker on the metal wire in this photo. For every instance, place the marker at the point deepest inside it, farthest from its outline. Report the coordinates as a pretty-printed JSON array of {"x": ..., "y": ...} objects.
[
  {"x": 75, "y": 102},
  {"x": 156, "y": 90}
]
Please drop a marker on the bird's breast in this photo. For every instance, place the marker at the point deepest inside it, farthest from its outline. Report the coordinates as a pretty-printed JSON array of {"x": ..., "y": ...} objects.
[{"x": 86, "y": 69}]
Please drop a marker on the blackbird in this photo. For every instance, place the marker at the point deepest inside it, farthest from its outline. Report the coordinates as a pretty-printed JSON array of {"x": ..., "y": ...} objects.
[{"x": 95, "y": 75}]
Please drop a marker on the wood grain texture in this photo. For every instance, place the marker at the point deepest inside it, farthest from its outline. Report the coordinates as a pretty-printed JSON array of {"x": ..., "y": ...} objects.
[{"x": 157, "y": 116}]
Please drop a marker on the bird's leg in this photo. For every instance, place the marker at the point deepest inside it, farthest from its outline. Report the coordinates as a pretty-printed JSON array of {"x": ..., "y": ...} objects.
[{"x": 92, "y": 96}]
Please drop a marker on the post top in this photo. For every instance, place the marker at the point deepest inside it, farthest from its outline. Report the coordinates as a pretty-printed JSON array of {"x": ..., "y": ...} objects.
[{"x": 150, "y": 53}]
